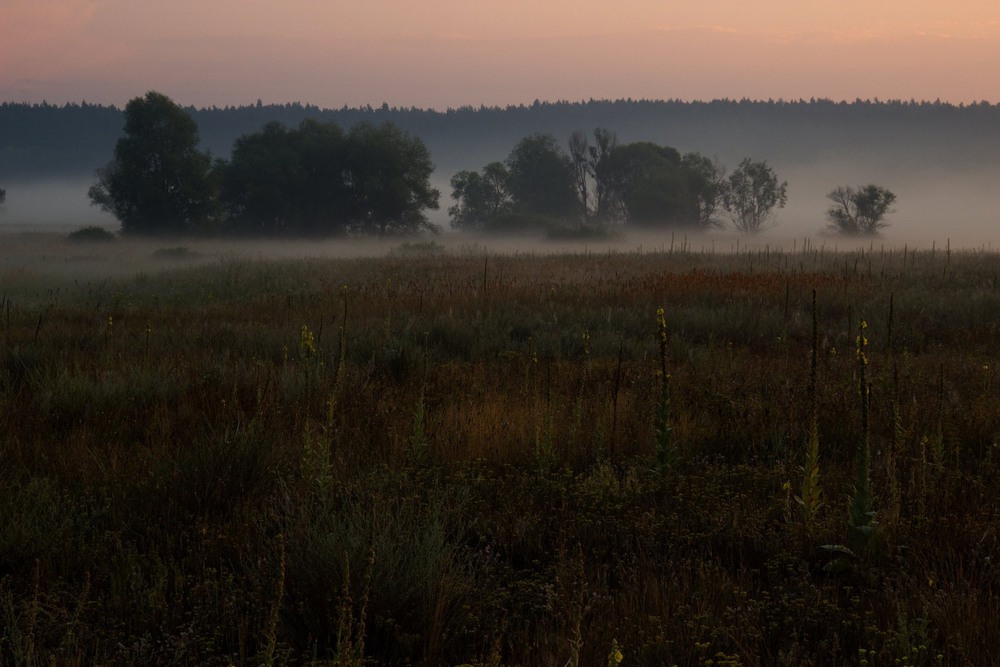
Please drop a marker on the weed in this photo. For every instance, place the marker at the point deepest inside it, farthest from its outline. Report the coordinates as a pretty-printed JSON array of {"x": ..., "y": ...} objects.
[{"x": 181, "y": 483}]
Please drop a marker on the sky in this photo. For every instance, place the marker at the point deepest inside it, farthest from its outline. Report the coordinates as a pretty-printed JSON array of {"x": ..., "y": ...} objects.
[{"x": 449, "y": 53}]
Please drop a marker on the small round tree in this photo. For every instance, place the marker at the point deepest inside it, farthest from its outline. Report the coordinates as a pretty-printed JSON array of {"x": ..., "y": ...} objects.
[
  {"x": 859, "y": 211},
  {"x": 751, "y": 194}
]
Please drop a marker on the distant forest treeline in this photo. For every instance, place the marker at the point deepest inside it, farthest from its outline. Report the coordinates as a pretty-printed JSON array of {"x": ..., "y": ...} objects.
[{"x": 49, "y": 141}]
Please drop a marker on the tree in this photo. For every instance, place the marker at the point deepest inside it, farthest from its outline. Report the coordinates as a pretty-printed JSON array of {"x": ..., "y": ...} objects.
[
  {"x": 647, "y": 184},
  {"x": 583, "y": 168},
  {"x": 605, "y": 142},
  {"x": 480, "y": 199},
  {"x": 859, "y": 211},
  {"x": 315, "y": 180},
  {"x": 3, "y": 195},
  {"x": 258, "y": 183},
  {"x": 158, "y": 182},
  {"x": 542, "y": 179},
  {"x": 706, "y": 181},
  {"x": 387, "y": 177},
  {"x": 324, "y": 201},
  {"x": 751, "y": 194}
]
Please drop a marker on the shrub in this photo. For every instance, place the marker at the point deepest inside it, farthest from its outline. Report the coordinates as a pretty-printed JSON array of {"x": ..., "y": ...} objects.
[{"x": 91, "y": 234}]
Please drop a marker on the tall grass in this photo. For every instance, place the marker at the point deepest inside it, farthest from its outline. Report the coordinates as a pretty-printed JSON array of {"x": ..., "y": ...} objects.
[{"x": 452, "y": 461}]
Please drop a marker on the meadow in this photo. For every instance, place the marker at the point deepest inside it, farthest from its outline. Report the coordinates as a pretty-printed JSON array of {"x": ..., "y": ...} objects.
[{"x": 459, "y": 457}]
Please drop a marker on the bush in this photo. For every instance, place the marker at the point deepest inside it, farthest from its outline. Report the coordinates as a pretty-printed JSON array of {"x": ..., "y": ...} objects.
[{"x": 91, "y": 234}]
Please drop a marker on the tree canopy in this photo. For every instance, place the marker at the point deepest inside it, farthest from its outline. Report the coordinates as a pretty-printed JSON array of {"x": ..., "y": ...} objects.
[
  {"x": 158, "y": 182},
  {"x": 310, "y": 180},
  {"x": 542, "y": 180},
  {"x": 316, "y": 180},
  {"x": 481, "y": 199},
  {"x": 859, "y": 211},
  {"x": 388, "y": 181},
  {"x": 640, "y": 183},
  {"x": 751, "y": 194}
]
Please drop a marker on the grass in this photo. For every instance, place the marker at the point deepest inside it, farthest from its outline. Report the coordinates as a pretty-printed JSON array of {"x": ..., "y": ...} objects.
[{"x": 428, "y": 458}]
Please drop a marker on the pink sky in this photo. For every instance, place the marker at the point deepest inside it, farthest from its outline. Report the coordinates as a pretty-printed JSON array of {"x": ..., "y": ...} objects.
[{"x": 446, "y": 53}]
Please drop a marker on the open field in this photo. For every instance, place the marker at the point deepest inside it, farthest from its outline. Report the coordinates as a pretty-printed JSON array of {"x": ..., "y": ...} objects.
[{"x": 455, "y": 457}]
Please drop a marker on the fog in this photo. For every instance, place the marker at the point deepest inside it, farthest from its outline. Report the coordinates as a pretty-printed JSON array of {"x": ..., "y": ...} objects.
[
  {"x": 934, "y": 208},
  {"x": 49, "y": 205}
]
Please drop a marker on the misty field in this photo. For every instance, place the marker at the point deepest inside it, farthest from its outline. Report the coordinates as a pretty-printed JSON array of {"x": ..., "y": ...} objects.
[{"x": 448, "y": 457}]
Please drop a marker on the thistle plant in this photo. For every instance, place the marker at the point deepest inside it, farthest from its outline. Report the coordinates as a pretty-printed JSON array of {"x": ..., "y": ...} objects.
[
  {"x": 545, "y": 431},
  {"x": 418, "y": 437},
  {"x": 892, "y": 510},
  {"x": 350, "y": 631},
  {"x": 581, "y": 389},
  {"x": 861, "y": 516},
  {"x": 666, "y": 450},
  {"x": 338, "y": 383},
  {"x": 811, "y": 493},
  {"x": 271, "y": 635}
]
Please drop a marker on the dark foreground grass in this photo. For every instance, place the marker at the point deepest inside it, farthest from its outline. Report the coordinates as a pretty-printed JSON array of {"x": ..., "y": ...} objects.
[{"x": 437, "y": 459}]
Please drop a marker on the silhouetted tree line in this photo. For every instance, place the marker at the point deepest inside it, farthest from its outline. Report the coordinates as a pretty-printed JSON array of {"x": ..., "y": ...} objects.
[
  {"x": 44, "y": 140},
  {"x": 641, "y": 184},
  {"x": 314, "y": 179}
]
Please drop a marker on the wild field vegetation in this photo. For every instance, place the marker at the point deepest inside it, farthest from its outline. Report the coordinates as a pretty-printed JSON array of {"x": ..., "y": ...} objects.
[{"x": 466, "y": 458}]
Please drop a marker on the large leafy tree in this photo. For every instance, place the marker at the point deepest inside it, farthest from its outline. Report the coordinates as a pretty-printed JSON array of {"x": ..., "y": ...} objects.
[
  {"x": 542, "y": 179},
  {"x": 323, "y": 200},
  {"x": 705, "y": 179},
  {"x": 158, "y": 182},
  {"x": 751, "y": 195},
  {"x": 859, "y": 211},
  {"x": 315, "y": 180},
  {"x": 388, "y": 179},
  {"x": 481, "y": 199},
  {"x": 258, "y": 183},
  {"x": 646, "y": 185},
  {"x": 287, "y": 182}
]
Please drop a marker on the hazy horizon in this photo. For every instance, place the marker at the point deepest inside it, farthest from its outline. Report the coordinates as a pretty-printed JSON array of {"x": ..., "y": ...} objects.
[
  {"x": 923, "y": 216},
  {"x": 442, "y": 54},
  {"x": 446, "y": 54}
]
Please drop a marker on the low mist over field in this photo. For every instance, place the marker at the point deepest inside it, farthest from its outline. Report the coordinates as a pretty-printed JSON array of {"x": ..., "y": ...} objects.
[
  {"x": 49, "y": 204},
  {"x": 933, "y": 209},
  {"x": 938, "y": 159}
]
